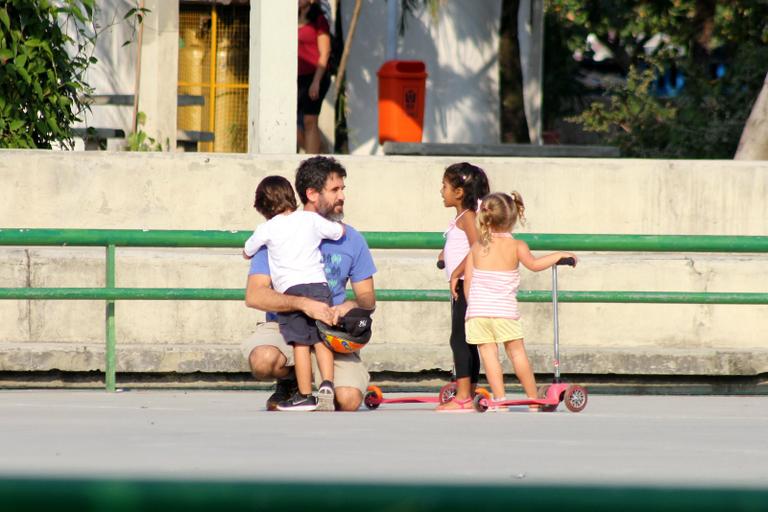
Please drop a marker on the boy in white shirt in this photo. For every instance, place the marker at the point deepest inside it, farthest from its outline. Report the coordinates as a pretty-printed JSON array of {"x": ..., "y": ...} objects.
[{"x": 293, "y": 238}]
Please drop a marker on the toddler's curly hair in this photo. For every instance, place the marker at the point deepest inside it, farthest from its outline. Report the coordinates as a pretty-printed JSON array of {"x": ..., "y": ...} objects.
[{"x": 274, "y": 195}]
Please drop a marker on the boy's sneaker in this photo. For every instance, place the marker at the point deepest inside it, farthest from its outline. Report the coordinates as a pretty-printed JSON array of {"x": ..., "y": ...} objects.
[
  {"x": 284, "y": 390},
  {"x": 298, "y": 402},
  {"x": 325, "y": 397}
]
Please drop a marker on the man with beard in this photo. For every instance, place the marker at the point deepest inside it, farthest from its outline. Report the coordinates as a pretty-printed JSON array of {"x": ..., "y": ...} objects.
[{"x": 320, "y": 185}]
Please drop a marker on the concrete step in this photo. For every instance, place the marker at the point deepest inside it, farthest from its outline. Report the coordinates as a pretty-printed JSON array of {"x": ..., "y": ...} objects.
[{"x": 383, "y": 357}]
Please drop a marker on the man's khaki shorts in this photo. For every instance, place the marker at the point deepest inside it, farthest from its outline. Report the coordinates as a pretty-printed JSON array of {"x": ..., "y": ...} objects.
[{"x": 348, "y": 369}]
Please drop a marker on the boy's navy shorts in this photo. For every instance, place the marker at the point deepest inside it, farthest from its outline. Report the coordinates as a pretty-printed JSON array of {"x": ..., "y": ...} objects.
[{"x": 296, "y": 327}]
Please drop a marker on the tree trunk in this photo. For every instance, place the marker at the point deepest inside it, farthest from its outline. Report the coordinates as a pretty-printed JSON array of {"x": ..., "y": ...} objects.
[
  {"x": 514, "y": 127},
  {"x": 753, "y": 144}
]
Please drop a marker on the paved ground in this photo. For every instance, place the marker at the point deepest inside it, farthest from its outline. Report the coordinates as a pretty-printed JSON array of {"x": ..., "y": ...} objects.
[{"x": 646, "y": 440}]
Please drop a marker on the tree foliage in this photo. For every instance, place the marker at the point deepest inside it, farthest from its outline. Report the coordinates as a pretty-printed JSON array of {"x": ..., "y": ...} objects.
[
  {"x": 700, "y": 39},
  {"x": 42, "y": 70}
]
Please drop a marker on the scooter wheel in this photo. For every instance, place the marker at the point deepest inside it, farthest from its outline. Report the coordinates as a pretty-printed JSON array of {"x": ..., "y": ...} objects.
[
  {"x": 484, "y": 392},
  {"x": 447, "y": 392},
  {"x": 480, "y": 403},
  {"x": 575, "y": 398},
  {"x": 373, "y": 397},
  {"x": 541, "y": 393}
]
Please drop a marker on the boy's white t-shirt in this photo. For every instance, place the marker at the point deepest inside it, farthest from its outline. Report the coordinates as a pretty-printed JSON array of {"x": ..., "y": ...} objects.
[{"x": 293, "y": 241}]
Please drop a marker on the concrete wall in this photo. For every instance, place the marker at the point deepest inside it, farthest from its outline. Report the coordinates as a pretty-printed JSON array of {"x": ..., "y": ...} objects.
[{"x": 203, "y": 191}]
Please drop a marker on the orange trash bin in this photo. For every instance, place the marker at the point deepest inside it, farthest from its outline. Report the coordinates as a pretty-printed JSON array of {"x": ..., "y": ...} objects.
[{"x": 402, "y": 85}]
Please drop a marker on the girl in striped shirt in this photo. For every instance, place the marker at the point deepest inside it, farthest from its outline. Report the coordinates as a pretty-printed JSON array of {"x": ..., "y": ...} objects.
[{"x": 491, "y": 280}]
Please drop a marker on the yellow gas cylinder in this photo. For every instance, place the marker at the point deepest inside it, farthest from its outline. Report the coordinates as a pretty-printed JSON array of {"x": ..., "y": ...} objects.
[
  {"x": 192, "y": 53},
  {"x": 231, "y": 118}
]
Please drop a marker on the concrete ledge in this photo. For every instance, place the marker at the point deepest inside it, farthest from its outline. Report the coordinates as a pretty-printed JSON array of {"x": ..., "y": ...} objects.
[
  {"x": 130, "y": 358},
  {"x": 389, "y": 357},
  {"x": 508, "y": 150}
]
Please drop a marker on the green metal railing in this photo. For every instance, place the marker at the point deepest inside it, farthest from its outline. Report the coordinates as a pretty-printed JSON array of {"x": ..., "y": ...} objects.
[{"x": 111, "y": 239}]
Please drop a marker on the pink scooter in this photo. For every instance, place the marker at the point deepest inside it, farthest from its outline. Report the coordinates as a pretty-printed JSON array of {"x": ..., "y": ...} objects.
[
  {"x": 549, "y": 395},
  {"x": 374, "y": 396}
]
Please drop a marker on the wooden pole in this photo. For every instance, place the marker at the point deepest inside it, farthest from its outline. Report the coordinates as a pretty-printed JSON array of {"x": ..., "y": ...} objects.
[{"x": 347, "y": 45}]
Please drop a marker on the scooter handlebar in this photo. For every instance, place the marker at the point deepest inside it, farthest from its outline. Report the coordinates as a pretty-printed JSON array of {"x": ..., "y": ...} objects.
[
  {"x": 571, "y": 262},
  {"x": 441, "y": 264}
]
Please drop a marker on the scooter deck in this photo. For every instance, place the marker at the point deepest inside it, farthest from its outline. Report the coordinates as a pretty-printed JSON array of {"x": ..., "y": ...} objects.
[
  {"x": 374, "y": 397},
  {"x": 411, "y": 400},
  {"x": 573, "y": 395}
]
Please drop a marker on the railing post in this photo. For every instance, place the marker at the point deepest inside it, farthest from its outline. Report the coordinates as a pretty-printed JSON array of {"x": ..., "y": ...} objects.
[{"x": 110, "y": 370}]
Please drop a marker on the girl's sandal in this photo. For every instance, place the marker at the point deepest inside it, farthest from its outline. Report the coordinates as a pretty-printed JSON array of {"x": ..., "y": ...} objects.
[{"x": 455, "y": 405}]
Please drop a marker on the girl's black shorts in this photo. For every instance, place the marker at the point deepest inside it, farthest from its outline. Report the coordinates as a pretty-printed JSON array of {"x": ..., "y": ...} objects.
[{"x": 307, "y": 106}]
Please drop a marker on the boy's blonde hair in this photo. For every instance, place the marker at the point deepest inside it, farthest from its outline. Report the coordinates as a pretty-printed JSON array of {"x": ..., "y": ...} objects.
[{"x": 498, "y": 213}]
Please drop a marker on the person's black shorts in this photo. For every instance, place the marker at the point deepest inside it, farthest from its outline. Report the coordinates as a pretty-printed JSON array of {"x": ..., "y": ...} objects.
[
  {"x": 296, "y": 327},
  {"x": 307, "y": 106}
]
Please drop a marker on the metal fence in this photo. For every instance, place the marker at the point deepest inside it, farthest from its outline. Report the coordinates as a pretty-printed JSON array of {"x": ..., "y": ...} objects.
[{"x": 111, "y": 239}]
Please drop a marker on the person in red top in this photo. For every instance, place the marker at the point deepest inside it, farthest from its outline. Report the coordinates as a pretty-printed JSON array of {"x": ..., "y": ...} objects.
[{"x": 313, "y": 78}]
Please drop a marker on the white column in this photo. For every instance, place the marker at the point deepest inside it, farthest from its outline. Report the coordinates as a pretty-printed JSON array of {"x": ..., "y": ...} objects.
[
  {"x": 272, "y": 65},
  {"x": 159, "y": 71}
]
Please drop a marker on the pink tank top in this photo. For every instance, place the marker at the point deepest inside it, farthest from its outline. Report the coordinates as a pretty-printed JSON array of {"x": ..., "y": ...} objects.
[
  {"x": 456, "y": 246},
  {"x": 493, "y": 294}
]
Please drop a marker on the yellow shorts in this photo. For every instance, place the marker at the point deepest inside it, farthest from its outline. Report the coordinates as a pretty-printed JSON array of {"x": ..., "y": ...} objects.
[{"x": 493, "y": 330}]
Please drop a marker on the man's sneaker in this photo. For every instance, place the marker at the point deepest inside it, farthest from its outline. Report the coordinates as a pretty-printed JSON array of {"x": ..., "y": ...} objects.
[
  {"x": 325, "y": 396},
  {"x": 298, "y": 402},
  {"x": 284, "y": 389}
]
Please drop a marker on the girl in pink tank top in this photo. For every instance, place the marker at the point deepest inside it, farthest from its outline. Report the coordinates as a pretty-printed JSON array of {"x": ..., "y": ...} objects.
[
  {"x": 463, "y": 185},
  {"x": 491, "y": 281}
]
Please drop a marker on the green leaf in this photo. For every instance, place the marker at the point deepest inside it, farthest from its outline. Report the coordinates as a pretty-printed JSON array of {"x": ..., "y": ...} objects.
[
  {"x": 4, "y": 18},
  {"x": 52, "y": 123},
  {"x": 88, "y": 4},
  {"x": 16, "y": 124},
  {"x": 24, "y": 75},
  {"x": 20, "y": 60},
  {"x": 5, "y": 54}
]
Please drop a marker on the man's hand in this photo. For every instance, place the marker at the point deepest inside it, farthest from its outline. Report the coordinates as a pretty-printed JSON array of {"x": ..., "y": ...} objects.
[
  {"x": 259, "y": 295},
  {"x": 342, "y": 309},
  {"x": 364, "y": 298},
  {"x": 318, "y": 311}
]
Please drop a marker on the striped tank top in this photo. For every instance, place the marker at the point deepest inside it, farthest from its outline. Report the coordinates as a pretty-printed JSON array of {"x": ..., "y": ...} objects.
[
  {"x": 456, "y": 246},
  {"x": 493, "y": 294}
]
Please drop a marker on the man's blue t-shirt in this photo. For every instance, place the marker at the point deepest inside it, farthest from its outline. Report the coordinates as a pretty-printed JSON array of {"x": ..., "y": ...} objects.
[{"x": 345, "y": 259}]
